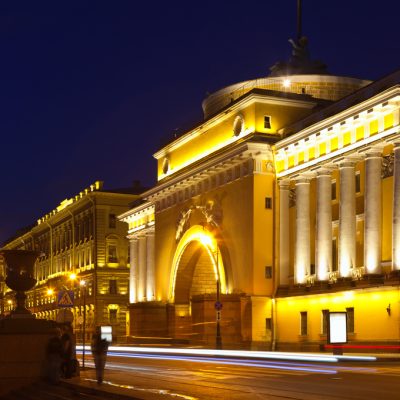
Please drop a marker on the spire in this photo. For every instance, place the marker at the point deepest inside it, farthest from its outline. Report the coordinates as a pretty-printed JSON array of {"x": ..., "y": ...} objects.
[
  {"x": 300, "y": 62},
  {"x": 299, "y": 19}
]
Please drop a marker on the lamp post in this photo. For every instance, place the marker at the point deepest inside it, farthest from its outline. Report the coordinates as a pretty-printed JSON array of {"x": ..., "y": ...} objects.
[
  {"x": 82, "y": 284},
  {"x": 218, "y": 308},
  {"x": 207, "y": 242}
]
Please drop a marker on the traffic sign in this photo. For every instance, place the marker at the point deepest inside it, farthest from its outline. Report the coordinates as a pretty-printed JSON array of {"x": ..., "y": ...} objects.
[
  {"x": 65, "y": 298},
  {"x": 218, "y": 305}
]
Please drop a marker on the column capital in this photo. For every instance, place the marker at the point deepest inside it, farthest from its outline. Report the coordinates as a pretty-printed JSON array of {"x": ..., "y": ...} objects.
[
  {"x": 324, "y": 171},
  {"x": 373, "y": 151},
  {"x": 284, "y": 184},
  {"x": 348, "y": 162},
  {"x": 304, "y": 177}
]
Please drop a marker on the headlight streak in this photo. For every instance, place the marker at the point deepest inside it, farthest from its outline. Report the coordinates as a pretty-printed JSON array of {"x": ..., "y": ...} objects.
[
  {"x": 237, "y": 354},
  {"x": 226, "y": 361}
]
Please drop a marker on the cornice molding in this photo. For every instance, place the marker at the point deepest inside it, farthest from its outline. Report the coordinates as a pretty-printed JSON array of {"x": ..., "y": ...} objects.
[
  {"x": 240, "y": 151},
  {"x": 227, "y": 113}
]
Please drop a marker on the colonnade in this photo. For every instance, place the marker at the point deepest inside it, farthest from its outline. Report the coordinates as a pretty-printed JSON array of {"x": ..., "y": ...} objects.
[
  {"x": 347, "y": 219},
  {"x": 142, "y": 268}
]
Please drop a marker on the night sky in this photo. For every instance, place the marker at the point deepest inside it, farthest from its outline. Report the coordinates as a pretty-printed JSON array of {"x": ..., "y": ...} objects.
[{"x": 90, "y": 90}]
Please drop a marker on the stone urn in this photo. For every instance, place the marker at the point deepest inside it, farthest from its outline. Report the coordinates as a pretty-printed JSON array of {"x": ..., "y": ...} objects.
[{"x": 19, "y": 272}]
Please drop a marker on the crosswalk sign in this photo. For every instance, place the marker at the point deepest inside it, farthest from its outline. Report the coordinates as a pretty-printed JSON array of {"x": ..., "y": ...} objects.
[{"x": 66, "y": 298}]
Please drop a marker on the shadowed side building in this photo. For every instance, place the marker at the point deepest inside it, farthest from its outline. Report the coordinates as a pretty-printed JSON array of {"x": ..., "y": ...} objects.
[{"x": 83, "y": 239}]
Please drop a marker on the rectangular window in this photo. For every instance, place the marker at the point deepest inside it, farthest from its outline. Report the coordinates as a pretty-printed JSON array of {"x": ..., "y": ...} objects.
[
  {"x": 112, "y": 286},
  {"x": 268, "y": 203},
  {"x": 113, "y": 316},
  {"x": 312, "y": 269},
  {"x": 303, "y": 323},
  {"x": 267, "y": 122},
  {"x": 268, "y": 323},
  {"x": 268, "y": 272},
  {"x": 112, "y": 254},
  {"x": 333, "y": 194},
  {"x": 350, "y": 319},
  {"x": 358, "y": 182},
  {"x": 112, "y": 221},
  {"x": 334, "y": 255},
  {"x": 325, "y": 316}
]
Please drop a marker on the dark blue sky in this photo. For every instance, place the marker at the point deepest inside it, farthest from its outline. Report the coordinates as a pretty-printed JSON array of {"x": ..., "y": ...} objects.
[{"x": 90, "y": 90}]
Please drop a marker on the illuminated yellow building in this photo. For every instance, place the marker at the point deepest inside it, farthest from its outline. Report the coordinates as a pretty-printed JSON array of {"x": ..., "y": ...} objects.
[
  {"x": 287, "y": 197},
  {"x": 81, "y": 239}
]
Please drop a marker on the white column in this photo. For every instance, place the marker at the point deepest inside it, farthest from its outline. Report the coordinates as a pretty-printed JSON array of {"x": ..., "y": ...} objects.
[
  {"x": 347, "y": 218},
  {"x": 302, "y": 248},
  {"x": 323, "y": 245},
  {"x": 284, "y": 246},
  {"x": 141, "y": 292},
  {"x": 151, "y": 283},
  {"x": 372, "y": 212},
  {"x": 396, "y": 209},
  {"x": 133, "y": 275}
]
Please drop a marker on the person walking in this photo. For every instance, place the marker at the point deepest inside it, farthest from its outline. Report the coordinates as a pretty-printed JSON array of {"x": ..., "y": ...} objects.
[
  {"x": 67, "y": 353},
  {"x": 54, "y": 357},
  {"x": 99, "y": 348}
]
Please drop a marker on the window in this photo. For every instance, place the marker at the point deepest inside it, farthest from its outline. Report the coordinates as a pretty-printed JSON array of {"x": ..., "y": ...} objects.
[
  {"x": 268, "y": 203},
  {"x": 333, "y": 194},
  {"x": 358, "y": 182},
  {"x": 334, "y": 255},
  {"x": 268, "y": 272},
  {"x": 112, "y": 254},
  {"x": 312, "y": 269},
  {"x": 267, "y": 122},
  {"x": 112, "y": 286},
  {"x": 350, "y": 319},
  {"x": 303, "y": 323},
  {"x": 325, "y": 316},
  {"x": 113, "y": 316},
  {"x": 268, "y": 323},
  {"x": 112, "y": 221}
]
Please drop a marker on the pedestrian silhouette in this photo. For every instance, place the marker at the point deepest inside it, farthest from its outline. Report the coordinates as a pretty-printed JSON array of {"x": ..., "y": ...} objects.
[
  {"x": 54, "y": 357},
  {"x": 99, "y": 348}
]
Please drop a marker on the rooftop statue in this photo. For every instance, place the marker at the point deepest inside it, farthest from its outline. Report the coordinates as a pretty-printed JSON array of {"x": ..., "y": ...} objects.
[{"x": 300, "y": 62}]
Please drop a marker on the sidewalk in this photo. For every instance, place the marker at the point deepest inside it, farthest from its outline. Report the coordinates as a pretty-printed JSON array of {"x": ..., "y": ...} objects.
[{"x": 111, "y": 390}]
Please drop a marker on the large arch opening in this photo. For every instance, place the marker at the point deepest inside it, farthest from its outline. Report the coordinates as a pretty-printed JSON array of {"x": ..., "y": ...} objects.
[{"x": 198, "y": 268}]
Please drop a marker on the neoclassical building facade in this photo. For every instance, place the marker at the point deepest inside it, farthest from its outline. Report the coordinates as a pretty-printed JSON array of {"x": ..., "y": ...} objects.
[
  {"x": 282, "y": 205},
  {"x": 80, "y": 239}
]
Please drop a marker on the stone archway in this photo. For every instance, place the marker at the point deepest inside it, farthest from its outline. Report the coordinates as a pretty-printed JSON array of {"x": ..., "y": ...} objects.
[{"x": 197, "y": 267}]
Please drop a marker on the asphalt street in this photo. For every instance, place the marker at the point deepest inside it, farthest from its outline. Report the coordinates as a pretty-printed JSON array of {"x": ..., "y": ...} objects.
[{"x": 152, "y": 376}]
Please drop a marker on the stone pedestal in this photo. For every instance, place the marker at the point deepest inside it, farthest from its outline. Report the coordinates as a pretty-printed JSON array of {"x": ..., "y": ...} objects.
[
  {"x": 148, "y": 319},
  {"x": 23, "y": 344}
]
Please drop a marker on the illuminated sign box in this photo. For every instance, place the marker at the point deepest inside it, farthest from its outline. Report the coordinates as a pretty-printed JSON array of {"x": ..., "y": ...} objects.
[
  {"x": 106, "y": 333},
  {"x": 337, "y": 328}
]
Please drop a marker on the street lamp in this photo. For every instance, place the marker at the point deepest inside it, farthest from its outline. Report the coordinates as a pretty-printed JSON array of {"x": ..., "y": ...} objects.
[
  {"x": 82, "y": 284},
  {"x": 218, "y": 308},
  {"x": 207, "y": 242}
]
